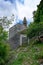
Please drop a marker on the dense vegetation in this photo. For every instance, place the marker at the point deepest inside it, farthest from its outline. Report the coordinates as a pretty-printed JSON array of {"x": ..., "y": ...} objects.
[
  {"x": 31, "y": 54},
  {"x": 4, "y": 52},
  {"x": 38, "y": 14},
  {"x": 28, "y": 55},
  {"x": 36, "y": 27},
  {"x": 4, "y": 46}
]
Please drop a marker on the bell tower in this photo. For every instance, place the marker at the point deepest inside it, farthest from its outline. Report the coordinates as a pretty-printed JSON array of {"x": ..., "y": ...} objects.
[{"x": 25, "y": 22}]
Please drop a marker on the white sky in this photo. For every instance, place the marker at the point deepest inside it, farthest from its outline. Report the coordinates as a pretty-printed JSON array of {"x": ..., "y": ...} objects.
[{"x": 18, "y": 9}]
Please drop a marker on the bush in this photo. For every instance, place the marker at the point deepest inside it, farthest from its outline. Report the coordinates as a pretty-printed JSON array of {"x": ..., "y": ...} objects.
[
  {"x": 35, "y": 29},
  {"x": 4, "y": 52}
]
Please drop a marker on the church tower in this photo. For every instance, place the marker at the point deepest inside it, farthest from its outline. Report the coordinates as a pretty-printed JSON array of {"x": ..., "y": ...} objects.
[{"x": 25, "y": 22}]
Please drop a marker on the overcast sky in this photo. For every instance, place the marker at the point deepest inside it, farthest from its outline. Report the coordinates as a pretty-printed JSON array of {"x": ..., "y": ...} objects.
[{"x": 20, "y": 8}]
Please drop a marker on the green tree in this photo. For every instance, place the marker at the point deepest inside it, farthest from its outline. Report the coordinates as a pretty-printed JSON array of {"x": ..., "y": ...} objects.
[
  {"x": 36, "y": 27},
  {"x": 4, "y": 47},
  {"x": 5, "y": 21},
  {"x": 35, "y": 30},
  {"x": 38, "y": 14}
]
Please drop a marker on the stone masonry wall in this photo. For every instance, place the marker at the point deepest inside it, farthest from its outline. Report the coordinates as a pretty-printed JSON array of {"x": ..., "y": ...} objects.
[{"x": 15, "y": 41}]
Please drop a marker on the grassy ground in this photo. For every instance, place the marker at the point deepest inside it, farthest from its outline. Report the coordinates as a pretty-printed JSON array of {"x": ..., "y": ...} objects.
[{"x": 28, "y": 55}]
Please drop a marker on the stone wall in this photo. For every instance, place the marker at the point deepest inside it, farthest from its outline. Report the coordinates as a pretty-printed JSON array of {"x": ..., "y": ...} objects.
[{"x": 15, "y": 41}]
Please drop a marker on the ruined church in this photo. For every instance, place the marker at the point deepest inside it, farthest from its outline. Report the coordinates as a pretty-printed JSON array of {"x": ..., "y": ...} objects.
[{"x": 17, "y": 35}]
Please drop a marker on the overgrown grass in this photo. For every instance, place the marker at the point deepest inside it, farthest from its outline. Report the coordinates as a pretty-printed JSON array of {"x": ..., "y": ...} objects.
[{"x": 28, "y": 55}]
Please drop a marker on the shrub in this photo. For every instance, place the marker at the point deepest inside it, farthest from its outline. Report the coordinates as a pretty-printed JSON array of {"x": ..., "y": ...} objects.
[
  {"x": 35, "y": 29},
  {"x": 4, "y": 52}
]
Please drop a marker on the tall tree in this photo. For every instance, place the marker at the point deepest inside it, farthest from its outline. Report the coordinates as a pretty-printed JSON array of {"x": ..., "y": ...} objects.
[
  {"x": 4, "y": 47},
  {"x": 4, "y": 21},
  {"x": 38, "y": 14},
  {"x": 36, "y": 27}
]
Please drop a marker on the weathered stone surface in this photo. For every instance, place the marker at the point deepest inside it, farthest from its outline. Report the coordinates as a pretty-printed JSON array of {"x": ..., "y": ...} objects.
[
  {"x": 15, "y": 41},
  {"x": 15, "y": 29},
  {"x": 14, "y": 36}
]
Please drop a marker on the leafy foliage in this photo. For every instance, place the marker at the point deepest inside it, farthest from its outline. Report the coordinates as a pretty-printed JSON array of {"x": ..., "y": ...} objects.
[
  {"x": 3, "y": 34},
  {"x": 4, "y": 52},
  {"x": 5, "y": 21},
  {"x": 4, "y": 47},
  {"x": 36, "y": 27},
  {"x": 38, "y": 14}
]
